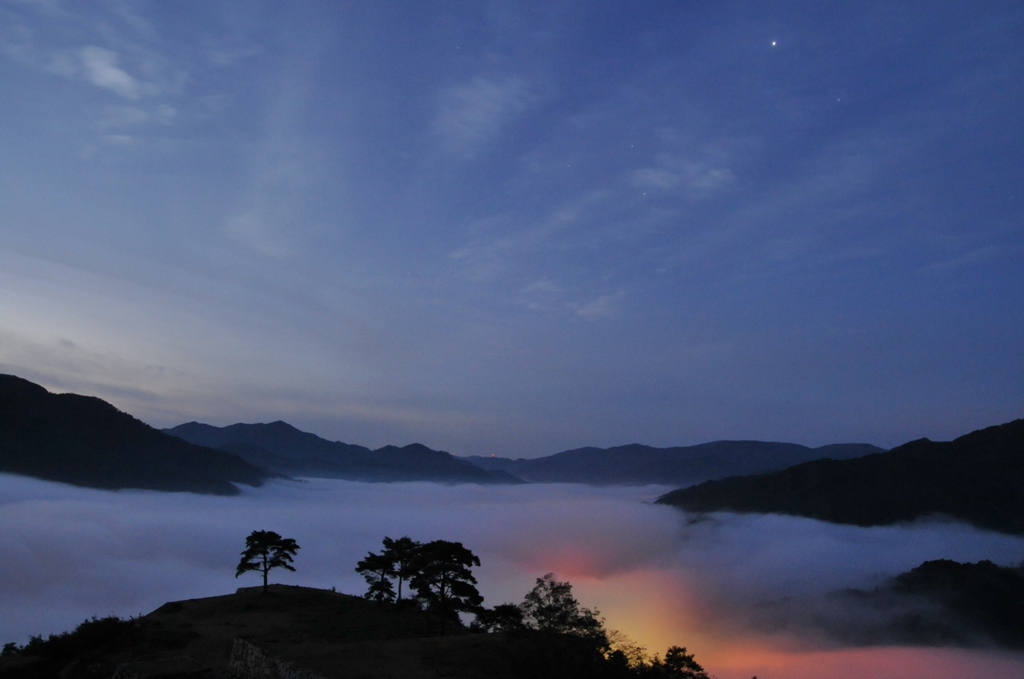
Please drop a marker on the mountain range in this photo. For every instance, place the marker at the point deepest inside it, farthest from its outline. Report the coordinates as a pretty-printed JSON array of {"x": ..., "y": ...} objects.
[
  {"x": 86, "y": 441},
  {"x": 978, "y": 478},
  {"x": 638, "y": 464},
  {"x": 282, "y": 448}
]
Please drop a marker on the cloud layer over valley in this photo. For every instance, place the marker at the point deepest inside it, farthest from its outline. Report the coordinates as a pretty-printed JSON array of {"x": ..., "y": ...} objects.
[{"x": 655, "y": 573}]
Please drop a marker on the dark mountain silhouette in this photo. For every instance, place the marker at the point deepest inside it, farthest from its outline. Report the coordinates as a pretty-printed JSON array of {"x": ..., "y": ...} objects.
[
  {"x": 85, "y": 441},
  {"x": 939, "y": 603},
  {"x": 283, "y": 448},
  {"x": 637, "y": 464},
  {"x": 978, "y": 478}
]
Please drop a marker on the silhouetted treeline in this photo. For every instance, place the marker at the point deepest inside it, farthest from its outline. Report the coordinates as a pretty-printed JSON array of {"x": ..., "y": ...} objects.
[
  {"x": 439, "y": 573},
  {"x": 551, "y": 635}
]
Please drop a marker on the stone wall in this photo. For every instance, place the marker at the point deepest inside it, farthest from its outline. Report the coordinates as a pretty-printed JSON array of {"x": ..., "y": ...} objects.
[{"x": 251, "y": 662}]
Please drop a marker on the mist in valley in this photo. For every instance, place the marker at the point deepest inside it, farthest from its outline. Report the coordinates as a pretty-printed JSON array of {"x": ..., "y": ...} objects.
[{"x": 657, "y": 574}]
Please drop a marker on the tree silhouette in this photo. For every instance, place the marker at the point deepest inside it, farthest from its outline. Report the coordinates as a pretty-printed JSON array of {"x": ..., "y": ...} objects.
[
  {"x": 679, "y": 663},
  {"x": 551, "y": 607},
  {"x": 397, "y": 560},
  {"x": 443, "y": 580},
  {"x": 556, "y": 637},
  {"x": 265, "y": 550},
  {"x": 402, "y": 553},
  {"x": 377, "y": 570},
  {"x": 501, "y": 618}
]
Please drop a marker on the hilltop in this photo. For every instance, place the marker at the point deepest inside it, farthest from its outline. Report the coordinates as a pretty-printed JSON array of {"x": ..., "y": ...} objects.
[
  {"x": 310, "y": 627},
  {"x": 313, "y": 634}
]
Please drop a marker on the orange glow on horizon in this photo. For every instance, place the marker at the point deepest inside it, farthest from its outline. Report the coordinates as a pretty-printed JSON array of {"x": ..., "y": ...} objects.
[
  {"x": 888, "y": 662},
  {"x": 656, "y": 609}
]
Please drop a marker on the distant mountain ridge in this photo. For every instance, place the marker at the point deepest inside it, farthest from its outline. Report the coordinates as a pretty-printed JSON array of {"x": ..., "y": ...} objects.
[
  {"x": 978, "y": 478},
  {"x": 637, "y": 464},
  {"x": 85, "y": 441},
  {"x": 282, "y": 448}
]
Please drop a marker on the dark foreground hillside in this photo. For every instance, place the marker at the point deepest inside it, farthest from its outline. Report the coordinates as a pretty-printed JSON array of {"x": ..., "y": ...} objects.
[
  {"x": 978, "y": 478},
  {"x": 332, "y": 635},
  {"x": 289, "y": 622},
  {"x": 85, "y": 441}
]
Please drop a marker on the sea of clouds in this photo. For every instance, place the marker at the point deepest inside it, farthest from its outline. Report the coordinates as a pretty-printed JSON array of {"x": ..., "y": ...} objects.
[{"x": 658, "y": 574}]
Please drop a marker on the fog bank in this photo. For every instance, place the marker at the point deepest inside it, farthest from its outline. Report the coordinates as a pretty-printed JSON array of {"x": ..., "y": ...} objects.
[{"x": 657, "y": 574}]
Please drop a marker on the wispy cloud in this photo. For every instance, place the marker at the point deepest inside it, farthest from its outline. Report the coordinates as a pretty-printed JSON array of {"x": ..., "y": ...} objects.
[
  {"x": 256, "y": 233},
  {"x": 114, "y": 49},
  {"x": 542, "y": 295},
  {"x": 601, "y": 307},
  {"x": 135, "y": 116},
  {"x": 228, "y": 56},
  {"x": 16, "y": 44},
  {"x": 497, "y": 242},
  {"x": 102, "y": 70},
  {"x": 673, "y": 174},
  {"x": 48, "y": 6},
  {"x": 548, "y": 296},
  {"x": 470, "y": 115}
]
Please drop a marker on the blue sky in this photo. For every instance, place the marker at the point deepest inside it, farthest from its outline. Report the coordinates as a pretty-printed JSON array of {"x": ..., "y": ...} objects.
[{"x": 519, "y": 227}]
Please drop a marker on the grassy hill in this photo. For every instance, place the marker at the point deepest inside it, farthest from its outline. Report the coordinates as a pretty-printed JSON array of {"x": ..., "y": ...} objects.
[{"x": 333, "y": 635}]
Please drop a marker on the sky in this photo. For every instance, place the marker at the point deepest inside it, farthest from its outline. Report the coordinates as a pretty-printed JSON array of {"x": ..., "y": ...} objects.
[
  {"x": 654, "y": 574},
  {"x": 515, "y": 228}
]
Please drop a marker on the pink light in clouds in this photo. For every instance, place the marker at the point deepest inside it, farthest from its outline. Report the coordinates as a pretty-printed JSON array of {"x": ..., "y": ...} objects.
[
  {"x": 658, "y": 609},
  {"x": 743, "y": 662}
]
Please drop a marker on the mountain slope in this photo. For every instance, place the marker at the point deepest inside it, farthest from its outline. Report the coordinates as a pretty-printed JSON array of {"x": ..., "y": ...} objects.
[
  {"x": 283, "y": 448},
  {"x": 978, "y": 478},
  {"x": 85, "y": 441},
  {"x": 939, "y": 603},
  {"x": 637, "y": 464}
]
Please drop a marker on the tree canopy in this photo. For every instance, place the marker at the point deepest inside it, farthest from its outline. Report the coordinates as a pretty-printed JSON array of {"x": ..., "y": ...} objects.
[
  {"x": 395, "y": 564},
  {"x": 570, "y": 640},
  {"x": 551, "y": 607},
  {"x": 402, "y": 554},
  {"x": 439, "y": 572},
  {"x": 443, "y": 580},
  {"x": 377, "y": 569},
  {"x": 264, "y": 551}
]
